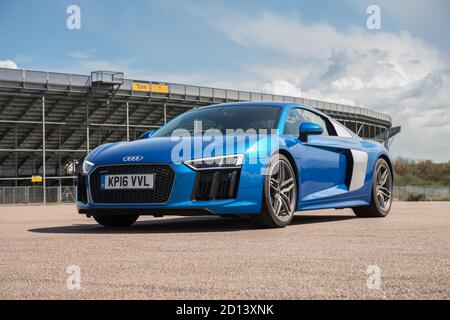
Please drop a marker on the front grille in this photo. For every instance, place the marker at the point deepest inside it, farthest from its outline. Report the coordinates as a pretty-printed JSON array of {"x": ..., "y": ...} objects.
[
  {"x": 164, "y": 177},
  {"x": 216, "y": 185},
  {"x": 82, "y": 188}
]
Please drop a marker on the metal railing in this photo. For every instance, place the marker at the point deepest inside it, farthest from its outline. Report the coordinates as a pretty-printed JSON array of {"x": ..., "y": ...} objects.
[
  {"x": 35, "y": 195},
  {"x": 68, "y": 194},
  {"x": 421, "y": 193}
]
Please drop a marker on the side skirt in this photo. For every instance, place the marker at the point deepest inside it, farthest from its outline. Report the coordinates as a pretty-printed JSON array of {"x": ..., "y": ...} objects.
[{"x": 347, "y": 202}]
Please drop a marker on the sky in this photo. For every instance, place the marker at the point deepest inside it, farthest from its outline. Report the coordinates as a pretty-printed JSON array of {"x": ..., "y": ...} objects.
[{"x": 313, "y": 49}]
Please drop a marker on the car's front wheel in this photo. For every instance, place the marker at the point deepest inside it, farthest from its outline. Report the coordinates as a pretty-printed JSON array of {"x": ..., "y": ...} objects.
[
  {"x": 279, "y": 194},
  {"x": 382, "y": 184},
  {"x": 116, "y": 220}
]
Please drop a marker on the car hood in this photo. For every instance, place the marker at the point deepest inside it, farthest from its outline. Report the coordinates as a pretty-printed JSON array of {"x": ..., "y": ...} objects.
[{"x": 170, "y": 150}]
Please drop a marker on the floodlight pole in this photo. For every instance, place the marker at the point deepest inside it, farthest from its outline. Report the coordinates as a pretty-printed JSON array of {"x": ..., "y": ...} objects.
[
  {"x": 165, "y": 113},
  {"x": 128, "y": 121},
  {"x": 87, "y": 129},
  {"x": 16, "y": 168},
  {"x": 43, "y": 152}
]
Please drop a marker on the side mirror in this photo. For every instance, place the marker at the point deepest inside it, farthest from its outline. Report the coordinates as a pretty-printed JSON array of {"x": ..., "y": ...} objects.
[
  {"x": 307, "y": 128},
  {"x": 146, "y": 135}
]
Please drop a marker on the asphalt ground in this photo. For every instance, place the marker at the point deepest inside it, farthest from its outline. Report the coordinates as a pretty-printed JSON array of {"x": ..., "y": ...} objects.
[{"x": 323, "y": 254}]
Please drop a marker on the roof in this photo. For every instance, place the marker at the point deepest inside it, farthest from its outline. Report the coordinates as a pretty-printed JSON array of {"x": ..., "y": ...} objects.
[{"x": 284, "y": 105}]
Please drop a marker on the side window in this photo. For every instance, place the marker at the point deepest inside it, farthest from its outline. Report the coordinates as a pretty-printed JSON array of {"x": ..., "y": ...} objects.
[
  {"x": 315, "y": 118},
  {"x": 296, "y": 117},
  {"x": 293, "y": 121}
]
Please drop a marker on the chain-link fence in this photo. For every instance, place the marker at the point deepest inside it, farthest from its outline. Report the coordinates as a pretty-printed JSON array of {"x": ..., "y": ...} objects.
[
  {"x": 421, "y": 193},
  {"x": 30, "y": 195}
]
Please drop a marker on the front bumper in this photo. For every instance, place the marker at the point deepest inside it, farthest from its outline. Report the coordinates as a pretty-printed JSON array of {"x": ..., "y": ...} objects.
[{"x": 182, "y": 200}]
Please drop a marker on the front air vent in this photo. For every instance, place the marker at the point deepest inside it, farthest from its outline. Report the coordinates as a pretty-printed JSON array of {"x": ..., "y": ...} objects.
[{"x": 216, "y": 185}]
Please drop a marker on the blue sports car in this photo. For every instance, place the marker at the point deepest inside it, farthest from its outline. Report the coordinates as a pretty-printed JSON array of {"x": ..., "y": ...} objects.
[{"x": 262, "y": 160}]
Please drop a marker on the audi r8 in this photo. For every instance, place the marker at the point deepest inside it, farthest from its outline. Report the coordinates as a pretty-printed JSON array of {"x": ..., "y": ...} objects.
[{"x": 262, "y": 160}]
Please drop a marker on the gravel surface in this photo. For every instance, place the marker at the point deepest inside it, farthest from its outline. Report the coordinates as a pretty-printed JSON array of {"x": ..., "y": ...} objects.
[{"x": 323, "y": 254}]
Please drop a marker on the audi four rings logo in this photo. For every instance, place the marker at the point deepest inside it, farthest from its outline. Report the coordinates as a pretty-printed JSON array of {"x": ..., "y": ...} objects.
[{"x": 133, "y": 158}]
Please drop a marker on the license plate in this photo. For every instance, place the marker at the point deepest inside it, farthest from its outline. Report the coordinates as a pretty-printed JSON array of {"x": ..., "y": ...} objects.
[{"x": 127, "y": 181}]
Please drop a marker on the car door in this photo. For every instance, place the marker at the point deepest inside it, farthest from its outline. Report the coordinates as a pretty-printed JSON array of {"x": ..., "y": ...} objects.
[{"x": 321, "y": 161}]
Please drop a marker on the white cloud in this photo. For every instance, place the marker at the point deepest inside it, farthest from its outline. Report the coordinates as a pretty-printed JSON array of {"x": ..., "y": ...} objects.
[
  {"x": 394, "y": 73},
  {"x": 8, "y": 64},
  {"x": 282, "y": 87}
]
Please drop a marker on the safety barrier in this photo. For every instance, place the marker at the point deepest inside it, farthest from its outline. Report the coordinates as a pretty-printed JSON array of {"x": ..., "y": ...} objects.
[
  {"x": 35, "y": 195},
  {"x": 421, "y": 193},
  {"x": 68, "y": 194}
]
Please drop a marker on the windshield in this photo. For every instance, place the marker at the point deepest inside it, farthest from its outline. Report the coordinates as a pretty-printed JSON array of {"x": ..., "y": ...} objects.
[{"x": 224, "y": 118}]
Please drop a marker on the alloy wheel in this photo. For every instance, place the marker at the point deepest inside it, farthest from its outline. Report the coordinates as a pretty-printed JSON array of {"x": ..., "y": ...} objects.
[
  {"x": 383, "y": 187},
  {"x": 282, "y": 189}
]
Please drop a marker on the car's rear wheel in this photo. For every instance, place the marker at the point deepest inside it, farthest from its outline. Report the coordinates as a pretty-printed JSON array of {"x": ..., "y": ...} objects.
[
  {"x": 382, "y": 184},
  {"x": 279, "y": 194},
  {"x": 116, "y": 221}
]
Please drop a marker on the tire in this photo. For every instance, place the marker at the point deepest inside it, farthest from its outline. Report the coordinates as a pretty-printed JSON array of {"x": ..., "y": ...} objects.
[
  {"x": 116, "y": 221},
  {"x": 381, "y": 199},
  {"x": 279, "y": 194}
]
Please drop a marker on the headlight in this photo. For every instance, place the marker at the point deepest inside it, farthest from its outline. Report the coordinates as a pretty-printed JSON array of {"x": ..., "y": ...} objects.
[
  {"x": 220, "y": 162},
  {"x": 87, "y": 165}
]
